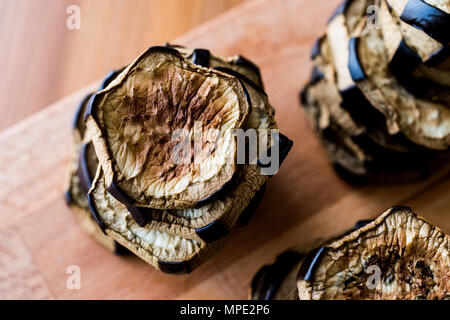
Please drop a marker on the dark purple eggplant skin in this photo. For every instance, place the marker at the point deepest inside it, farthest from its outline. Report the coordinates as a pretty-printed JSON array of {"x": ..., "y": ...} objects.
[
  {"x": 212, "y": 232},
  {"x": 431, "y": 20},
  {"x": 68, "y": 197},
  {"x": 171, "y": 267},
  {"x": 79, "y": 112},
  {"x": 356, "y": 70},
  {"x": 247, "y": 63},
  {"x": 83, "y": 171},
  {"x": 140, "y": 215},
  {"x": 315, "y": 51},
  {"x": 95, "y": 214},
  {"x": 309, "y": 264},
  {"x": 404, "y": 60},
  {"x": 201, "y": 57},
  {"x": 216, "y": 230},
  {"x": 120, "y": 195},
  {"x": 120, "y": 250},
  {"x": 272, "y": 276},
  {"x": 110, "y": 77},
  {"x": 285, "y": 146}
]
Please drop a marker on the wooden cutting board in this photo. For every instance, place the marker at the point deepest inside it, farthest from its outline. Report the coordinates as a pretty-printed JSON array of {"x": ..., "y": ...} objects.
[{"x": 39, "y": 236}]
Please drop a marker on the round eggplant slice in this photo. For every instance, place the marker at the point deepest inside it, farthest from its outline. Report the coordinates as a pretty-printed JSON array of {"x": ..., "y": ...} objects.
[
  {"x": 159, "y": 246},
  {"x": 82, "y": 171},
  {"x": 110, "y": 77},
  {"x": 367, "y": 112},
  {"x": 277, "y": 281},
  {"x": 423, "y": 122},
  {"x": 211, "y": 219},
  {"x": 149, "y": 244},
  {"x": 397, "y": 256},
  {"x": 83, "y": 162},
  {"x": 328, "y": 94},
  {"x": 134, "y": 120},
  {"x": 422, "y": 25},
  {"x": 352, "y": 111},
  {"x": 246, "y": 68},
  {"x": 336, "y": 142},
  {"x": 428, "y": 82},
  {"x": 358, "y": 158}
]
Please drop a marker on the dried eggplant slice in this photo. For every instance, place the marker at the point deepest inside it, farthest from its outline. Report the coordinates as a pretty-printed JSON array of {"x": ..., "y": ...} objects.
[
  {"x": 356, "y": 157},
  {"x": 403, "y": 55},
  {"x": 278, "y": 281},
  {"x": 353, "y": 112},
  {"x": 151, "y": 245},
  {"x": 242, "y": 65},
  {"x": 366, "y": 110},
  {"x": 159, "y": 247},
  {"x": 216, "y": 217},
  {"x": 131, "y": 123},
  {"x": 79, "y": 179},
  {"x": 329, "y": 93},
  {"x": 336, "y": 142},
  {"x": 110, "y": 77},
  {"x": 423, "y": 81},
  {"x": 409, "y": 256},
  {"x": 346, "y": 71},
  {"x": 423, "y": 122},
  {"x": 430, "y": 16},
  {"x": 409, "y": 17},
  {"x": 245, "y": 67}
]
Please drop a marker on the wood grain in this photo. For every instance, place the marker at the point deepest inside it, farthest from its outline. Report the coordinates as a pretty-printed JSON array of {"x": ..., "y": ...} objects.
[
  {"x": 304, "y": 201},
  {"x": 43, "y": 61}
]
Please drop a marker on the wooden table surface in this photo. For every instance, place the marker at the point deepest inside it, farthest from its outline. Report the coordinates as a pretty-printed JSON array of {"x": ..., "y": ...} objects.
[
  {"x": 42, "y": 60},
  {"x": 39, "y": 236}
]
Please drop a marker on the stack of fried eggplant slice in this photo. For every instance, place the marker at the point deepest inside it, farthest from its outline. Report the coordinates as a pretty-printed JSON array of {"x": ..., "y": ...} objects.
[
  {"x": 379, "y": 95},
  {"x": 156, "y": 152},
  {"x": 397, "y": 256}
]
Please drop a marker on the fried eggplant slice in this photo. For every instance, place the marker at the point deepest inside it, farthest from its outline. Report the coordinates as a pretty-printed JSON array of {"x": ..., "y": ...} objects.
[
  {"x": 397, "y": 256},
  {"x": 132, "y": 123}
]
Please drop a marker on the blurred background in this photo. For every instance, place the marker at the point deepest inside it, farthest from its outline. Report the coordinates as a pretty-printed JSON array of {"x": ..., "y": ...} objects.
[{"x": 43, "y": 60}]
